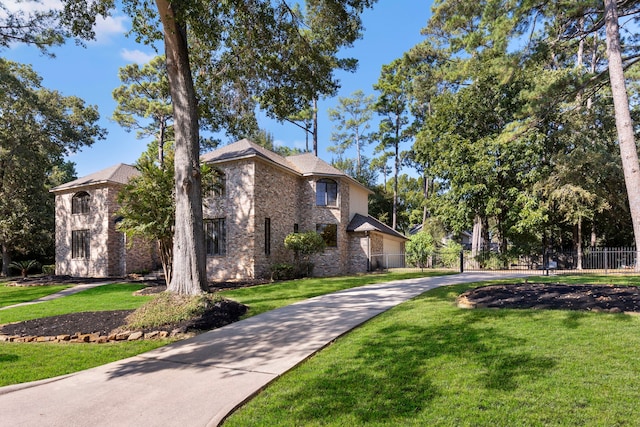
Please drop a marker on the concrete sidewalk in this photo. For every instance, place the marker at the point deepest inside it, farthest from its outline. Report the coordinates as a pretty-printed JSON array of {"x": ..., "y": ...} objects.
[{"x": 199, "y": 381}]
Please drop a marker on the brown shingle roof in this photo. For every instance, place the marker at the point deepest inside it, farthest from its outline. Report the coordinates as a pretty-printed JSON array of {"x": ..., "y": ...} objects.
[
  {"x": 368, "y": 223},
  {"x": 244, "y": 149},
  {"x": 118, "y": 174},
  {"x": 308, "y": 164}
]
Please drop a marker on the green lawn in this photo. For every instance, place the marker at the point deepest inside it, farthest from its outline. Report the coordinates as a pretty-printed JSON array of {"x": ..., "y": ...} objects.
[
  {"x": 10, "y": 295},
  {"x": 22, "y": 362},
  {"x": 426, "y": 362},
  {"x": 274, "y": 295},
  {"x": 117, "y": 296}
]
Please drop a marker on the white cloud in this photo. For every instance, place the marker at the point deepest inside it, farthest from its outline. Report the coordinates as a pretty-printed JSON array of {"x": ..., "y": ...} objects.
[
  {"x": 32, "y": 6},
  {"x": 110, "y": 26},
  {"x": 137, "y": 56}
]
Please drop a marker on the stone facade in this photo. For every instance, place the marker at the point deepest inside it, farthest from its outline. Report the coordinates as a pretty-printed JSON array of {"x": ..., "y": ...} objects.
[
  {"x": 109, "y": 255},
  {"x": 265, "y": 198}
]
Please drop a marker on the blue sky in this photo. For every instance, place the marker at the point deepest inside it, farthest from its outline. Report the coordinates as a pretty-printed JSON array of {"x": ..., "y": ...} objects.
[{"x": 91, "y": 73}]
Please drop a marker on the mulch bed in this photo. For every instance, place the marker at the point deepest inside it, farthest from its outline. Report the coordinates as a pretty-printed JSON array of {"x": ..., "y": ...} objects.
[
  {"x": 608, "y": 298},
  {"x": 102, "y": 322}
]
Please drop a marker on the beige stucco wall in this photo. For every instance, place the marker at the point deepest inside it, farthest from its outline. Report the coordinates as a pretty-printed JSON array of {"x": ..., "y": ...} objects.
[{"x": 358, "y": 201}]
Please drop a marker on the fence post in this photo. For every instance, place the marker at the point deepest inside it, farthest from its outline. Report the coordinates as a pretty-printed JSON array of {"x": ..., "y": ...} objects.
[
  {"x": 462, "y": 261},
  {"x": 606, "y": 261},
  {"x": 545, "y": 260}
]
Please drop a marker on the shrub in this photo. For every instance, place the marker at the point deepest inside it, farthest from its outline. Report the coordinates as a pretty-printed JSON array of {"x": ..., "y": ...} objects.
[
  {"x": 450, "y": 254},
  {"x": 283, "y": 271},
  {"x": 169, "y": 308},
  {"x": 303, "y": 246},
  {"x": 24, "y": 266},
  {"x": 49, "y": 269},
  {"x": 420, "y": 249}
]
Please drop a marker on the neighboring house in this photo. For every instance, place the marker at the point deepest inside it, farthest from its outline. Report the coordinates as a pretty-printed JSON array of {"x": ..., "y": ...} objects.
[{"x": 261, "y": 199}]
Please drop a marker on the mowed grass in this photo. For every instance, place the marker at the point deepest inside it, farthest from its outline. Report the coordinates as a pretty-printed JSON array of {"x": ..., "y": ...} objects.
[
  {"x": 275, "y": 295},
  {"x": 23, "y": 362},
  {"x": 10, "y": 295},
  {"x": 118, "y": 296},
  {"x": 427, "y": 362}
]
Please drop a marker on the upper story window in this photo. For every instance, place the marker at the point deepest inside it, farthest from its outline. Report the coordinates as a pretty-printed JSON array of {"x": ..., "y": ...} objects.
[
  {"x": 80, "y": 203},
  {"x": 219, "y": 184},
  {"x": 326, "y": 192}
]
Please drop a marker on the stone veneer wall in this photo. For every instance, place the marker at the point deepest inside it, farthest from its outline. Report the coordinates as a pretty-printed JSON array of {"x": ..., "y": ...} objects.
[
  {"x": 333, "y": 261},
  {"x": 238, "y": 209},
  {"x": 96, "y": 221},
  {"x": 276, "y": 198},
  {"x": 376, "y": 249},
  {"x": 358, "y": 252},
  {"x": 107, "y": 246}
]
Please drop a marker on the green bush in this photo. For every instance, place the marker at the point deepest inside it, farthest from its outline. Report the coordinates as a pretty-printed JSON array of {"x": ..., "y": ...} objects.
[
  {"x": 303, "y": 246},
  {"x": 420, "y": 249},
  {"x": 450, "y": 254},
  {"x": 283, "y": 271},
  {"x": 49, "y": 269}
]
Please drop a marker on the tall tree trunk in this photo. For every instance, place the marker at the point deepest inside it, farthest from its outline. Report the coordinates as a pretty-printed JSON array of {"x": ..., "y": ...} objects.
[
  {"x": 395, "y": 174},
  {"x": 314, "y": 115},
  {"x": 425, "y": 193},
  {"x": 476, "y": 238},
  {"x": 624, "y": 125},
  {"x": 189, "y": 261},
  {"x": 6, "y": 260}
]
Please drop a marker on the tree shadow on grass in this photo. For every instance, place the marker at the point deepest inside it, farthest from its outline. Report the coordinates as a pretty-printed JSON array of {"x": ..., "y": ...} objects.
[{"x": 393, "y": 374}]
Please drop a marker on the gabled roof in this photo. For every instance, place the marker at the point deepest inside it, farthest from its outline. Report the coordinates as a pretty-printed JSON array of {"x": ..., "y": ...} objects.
[
  {"x": 368, "y": 223},
  {"x": 117, "y": 174},
  {"x": 305, "y": 164},
  {"x": 308, "y": 164},
  {"x": 245, "y": 149}
]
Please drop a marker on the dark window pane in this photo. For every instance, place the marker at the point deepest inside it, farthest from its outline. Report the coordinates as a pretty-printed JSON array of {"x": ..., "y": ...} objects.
[
  {"x": 215, "y": 236},
  {"x": 329, "y": 233},
  {"x": 326, "y": 192}
]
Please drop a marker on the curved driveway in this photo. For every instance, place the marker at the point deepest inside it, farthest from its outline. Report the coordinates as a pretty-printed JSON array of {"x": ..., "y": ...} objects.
[{"x": 199, "y": 381}]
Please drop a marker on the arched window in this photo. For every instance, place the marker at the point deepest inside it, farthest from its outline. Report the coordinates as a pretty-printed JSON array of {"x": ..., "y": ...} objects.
[
  {"x": 80, "y": 203},
  {"x": 326, "y": 192}
]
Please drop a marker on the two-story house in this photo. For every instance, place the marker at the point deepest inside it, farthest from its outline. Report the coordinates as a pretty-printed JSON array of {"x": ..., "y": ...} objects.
[{"x": 262, "y": 198}]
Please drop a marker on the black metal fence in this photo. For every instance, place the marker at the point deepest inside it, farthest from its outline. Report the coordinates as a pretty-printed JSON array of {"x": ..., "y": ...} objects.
[{"x": 591, "y": 260}]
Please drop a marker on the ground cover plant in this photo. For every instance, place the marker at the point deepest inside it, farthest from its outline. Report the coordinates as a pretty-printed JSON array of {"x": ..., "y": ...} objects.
[{"x": 428, "y": 362}]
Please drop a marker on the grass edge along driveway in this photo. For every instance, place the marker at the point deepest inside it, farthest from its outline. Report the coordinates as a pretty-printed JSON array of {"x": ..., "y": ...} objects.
[
  {"x": 24, "y": 362},
  {"x": 426, "y": 362}
]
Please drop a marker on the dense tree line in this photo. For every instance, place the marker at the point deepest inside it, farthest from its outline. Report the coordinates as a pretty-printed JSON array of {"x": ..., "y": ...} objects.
[{"x": 507, "y": 120}]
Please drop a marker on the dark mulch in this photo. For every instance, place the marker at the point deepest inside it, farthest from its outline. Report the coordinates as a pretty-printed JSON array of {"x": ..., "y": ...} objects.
[
  {"x": 223, "y": 313},
  {"x": 615, "y": 299},
  {"x": 103, "y": 322}
]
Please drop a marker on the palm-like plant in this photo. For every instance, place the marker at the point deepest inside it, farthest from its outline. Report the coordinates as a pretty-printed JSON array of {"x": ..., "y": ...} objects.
[{"x": 24, "y": 266}]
